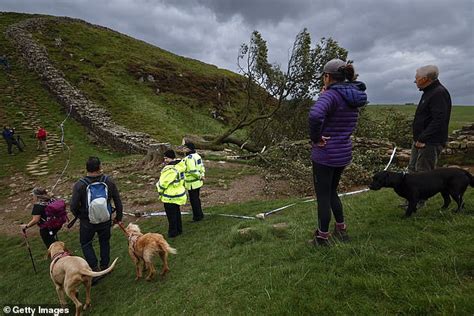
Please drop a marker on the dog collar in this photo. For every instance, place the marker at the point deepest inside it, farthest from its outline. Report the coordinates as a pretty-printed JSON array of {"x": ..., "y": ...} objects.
[{"x": 58, "y": 256}]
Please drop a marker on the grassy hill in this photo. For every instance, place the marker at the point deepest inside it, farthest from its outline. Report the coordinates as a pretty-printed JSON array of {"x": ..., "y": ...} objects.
[
  {"x": 144, "y": 87},
  {"x": 422, "y": 265},
  {"x": 24, "y": 100}
]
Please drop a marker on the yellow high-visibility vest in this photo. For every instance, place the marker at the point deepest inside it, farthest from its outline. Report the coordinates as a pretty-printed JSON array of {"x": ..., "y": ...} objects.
[
  {"x": 195, "y": 171},
  {"x": 171, "y": 184}
]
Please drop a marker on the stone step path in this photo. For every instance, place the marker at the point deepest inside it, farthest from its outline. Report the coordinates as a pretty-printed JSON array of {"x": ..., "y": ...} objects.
[{"x": 39, "y": 165}]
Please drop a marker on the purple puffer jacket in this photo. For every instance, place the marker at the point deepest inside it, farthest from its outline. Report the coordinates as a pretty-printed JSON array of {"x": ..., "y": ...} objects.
[{"x": 335, "y": 115}]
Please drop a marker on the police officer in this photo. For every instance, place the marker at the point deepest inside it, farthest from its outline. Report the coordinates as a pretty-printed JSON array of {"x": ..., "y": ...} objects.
[
  {"x": 172, "y": 192},
  {"x": 193, "y": 180}
]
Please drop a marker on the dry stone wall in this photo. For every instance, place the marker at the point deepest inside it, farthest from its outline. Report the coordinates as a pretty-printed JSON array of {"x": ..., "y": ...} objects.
[
  {"x": 461, "y": 141},
  {"x": 96, "y": 119}
]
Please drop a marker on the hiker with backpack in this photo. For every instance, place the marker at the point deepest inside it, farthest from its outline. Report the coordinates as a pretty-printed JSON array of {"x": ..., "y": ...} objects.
[
  {"x": 9, "y": 136},
  {"x": 91, "y": 203},
  {"x": 48, "y": 213}
]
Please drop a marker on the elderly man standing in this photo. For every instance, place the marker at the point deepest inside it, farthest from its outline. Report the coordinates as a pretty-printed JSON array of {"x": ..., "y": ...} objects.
[{"x": 430, "y": 125}]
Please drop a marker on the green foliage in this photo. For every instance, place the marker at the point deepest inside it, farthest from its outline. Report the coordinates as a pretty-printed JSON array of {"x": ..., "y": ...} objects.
[
  {"x": 460, "y": 115},
  {"x": 292, "y": 88},
  {"x": 394, "y": 125},
  {"x": 325, "y": 50},
  {"x": 289, "y": 123}
]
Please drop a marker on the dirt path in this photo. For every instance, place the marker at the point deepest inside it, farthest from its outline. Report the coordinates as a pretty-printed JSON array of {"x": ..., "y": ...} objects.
[{"x": 227, "y": 183}]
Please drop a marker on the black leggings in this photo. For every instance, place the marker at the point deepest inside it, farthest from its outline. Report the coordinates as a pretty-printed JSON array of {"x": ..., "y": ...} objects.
[
  {"x": 49, "y": 236},
  {"x": 326, "y": 180}
]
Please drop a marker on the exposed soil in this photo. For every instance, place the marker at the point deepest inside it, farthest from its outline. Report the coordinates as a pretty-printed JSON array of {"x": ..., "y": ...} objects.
[
  {"x": 226, "y": 183},
  {"x": 137, "y": 188}
]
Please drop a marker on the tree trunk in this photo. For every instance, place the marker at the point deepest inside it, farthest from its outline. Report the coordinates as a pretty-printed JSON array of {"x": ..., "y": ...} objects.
[
  {"x": 154, "y": 157},
  {"x": 244, "y": 145},
  {"x": 203, "y": 142},
  {"x": 213, "y": 143}
]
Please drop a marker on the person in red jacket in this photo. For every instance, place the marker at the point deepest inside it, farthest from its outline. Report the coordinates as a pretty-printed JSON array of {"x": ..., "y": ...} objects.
[{"x": 41, "y": 137}]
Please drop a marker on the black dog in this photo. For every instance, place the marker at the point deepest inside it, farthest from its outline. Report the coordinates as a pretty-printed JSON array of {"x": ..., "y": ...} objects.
[{"x": 423, "y": 185}]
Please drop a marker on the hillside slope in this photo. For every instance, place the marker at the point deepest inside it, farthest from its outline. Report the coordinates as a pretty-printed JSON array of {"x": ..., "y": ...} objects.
[
  {"x": 24, "y": 104},
  {"x": 145, "y": 88}
]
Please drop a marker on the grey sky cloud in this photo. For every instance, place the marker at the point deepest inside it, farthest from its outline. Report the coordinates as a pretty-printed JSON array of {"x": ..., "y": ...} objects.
[{"x": 387, "y": 40}]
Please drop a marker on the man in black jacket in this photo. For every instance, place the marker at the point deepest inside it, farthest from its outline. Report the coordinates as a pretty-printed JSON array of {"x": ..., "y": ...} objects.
[
  {"x": 80, "y": 209},
  {"x": 430, "y": 125}
]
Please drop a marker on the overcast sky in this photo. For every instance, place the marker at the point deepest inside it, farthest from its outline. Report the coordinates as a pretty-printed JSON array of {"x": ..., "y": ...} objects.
[{"x": 387, "y": 39}]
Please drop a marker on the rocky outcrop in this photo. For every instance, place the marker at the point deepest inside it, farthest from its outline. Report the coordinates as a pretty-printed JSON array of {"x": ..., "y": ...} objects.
[{"x": 96, "y": 119}]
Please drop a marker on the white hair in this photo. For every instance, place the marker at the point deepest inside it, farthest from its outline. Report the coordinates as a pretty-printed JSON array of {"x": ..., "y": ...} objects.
[{"x": 429, "y": 71}]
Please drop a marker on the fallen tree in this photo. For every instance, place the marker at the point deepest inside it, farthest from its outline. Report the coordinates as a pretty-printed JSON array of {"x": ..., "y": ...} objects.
[{"x": 267, "y": 86}]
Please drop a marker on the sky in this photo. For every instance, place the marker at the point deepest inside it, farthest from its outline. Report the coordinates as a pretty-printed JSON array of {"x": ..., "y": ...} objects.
[{"x": 387, "y": 40}]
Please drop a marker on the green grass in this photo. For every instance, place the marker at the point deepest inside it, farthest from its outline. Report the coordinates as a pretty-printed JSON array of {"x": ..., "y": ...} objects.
[
  {"x": 23, "y": 93},
  {"x": 96, "y": 62},
  {"x": 460, "y": 115},
  {"x": 422, "y": 265}
]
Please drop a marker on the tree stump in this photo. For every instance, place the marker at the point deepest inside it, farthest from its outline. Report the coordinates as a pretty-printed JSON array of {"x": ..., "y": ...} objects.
[{"x": 154, "y": 157}]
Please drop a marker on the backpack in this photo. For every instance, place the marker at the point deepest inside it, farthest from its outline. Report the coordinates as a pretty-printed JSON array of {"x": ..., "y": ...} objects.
[
  {"x": 56, "y": 214},
  {"x": 97, "y": 200},
  {"x": 41, "y": 133}
]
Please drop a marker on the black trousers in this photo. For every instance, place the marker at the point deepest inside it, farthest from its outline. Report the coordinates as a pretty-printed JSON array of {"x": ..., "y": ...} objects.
[
  {"x": 326, "y": 180},
  {"x": 49, "y": 236},
  {"x": 87, "y": 232},
  {"x": 173, "y": 213},
  {"x": 10, "y": 143},
  {"x": 196, "y": 204}
]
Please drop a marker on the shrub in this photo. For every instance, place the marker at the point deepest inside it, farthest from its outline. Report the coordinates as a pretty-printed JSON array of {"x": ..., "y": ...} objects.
[{"x": 394, "y": 126}]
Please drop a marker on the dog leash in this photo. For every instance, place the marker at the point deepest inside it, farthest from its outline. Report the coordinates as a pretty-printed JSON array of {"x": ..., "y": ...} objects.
[
  {"x": 265, "y": 214},
  {"x": 119, "y": 224}
]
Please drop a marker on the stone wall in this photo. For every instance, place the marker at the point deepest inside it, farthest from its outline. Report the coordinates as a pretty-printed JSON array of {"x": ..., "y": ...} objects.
[
  {"x": 96, "y": 119},
  {"x": 461, "y": 141}
]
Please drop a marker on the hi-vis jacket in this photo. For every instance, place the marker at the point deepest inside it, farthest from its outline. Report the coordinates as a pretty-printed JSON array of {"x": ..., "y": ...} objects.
[
  {"x": 171, "y": 183},
  {"x": 194, "y": 172}
]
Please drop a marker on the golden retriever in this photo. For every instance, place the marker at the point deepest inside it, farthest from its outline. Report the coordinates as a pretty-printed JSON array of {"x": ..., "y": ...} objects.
[
  {"x": 67, "y": 272},
  {"x": 142, "y": 248}
]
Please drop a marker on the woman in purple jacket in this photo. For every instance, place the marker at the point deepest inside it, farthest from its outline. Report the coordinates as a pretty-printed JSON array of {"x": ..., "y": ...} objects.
[{"x": 332, "y": 120}]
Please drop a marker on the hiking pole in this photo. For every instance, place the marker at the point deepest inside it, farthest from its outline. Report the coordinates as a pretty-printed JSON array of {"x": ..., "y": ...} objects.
[{"x": 29, "y": 249}]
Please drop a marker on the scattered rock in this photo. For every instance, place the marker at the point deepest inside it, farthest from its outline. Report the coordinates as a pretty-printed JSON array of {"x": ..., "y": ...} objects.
[
  {"x": 280, "y": 226},
  {"x": 245, "y": 231}
]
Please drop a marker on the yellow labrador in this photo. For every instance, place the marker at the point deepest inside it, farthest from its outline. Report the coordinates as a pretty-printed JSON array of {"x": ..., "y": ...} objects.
[
  {"x": 68, "y": 272},
  {"x": 142, "y": 248}
]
